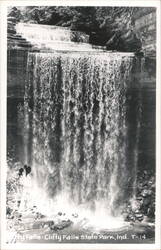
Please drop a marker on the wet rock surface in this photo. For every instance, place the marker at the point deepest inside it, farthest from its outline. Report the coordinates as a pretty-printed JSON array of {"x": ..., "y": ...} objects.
[
  {"x": 33, "y": 220},
  {"x": 142, "y": 206}
]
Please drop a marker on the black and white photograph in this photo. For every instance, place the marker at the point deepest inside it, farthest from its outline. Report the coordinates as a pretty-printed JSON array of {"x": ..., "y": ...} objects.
[{"x": 80, "y": 138}]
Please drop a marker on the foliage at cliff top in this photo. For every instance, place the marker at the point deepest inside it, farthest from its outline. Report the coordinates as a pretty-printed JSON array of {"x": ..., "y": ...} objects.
[{"x": 109, "y": 26}]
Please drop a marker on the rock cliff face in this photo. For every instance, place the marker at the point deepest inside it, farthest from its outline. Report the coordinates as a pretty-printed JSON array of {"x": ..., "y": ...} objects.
[
  {"x": 18, "y": 48},
  {"x": 139, "y": 35},
  {"x": 145, "y": 28},
  {"x": 15, "y": 41},
  {"x": 17, "y": 53},
  {"x": 143, "y": 92}
]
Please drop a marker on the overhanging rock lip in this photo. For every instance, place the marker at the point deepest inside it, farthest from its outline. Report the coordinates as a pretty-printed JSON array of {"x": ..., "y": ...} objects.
[{"x": 94, "y": 52}]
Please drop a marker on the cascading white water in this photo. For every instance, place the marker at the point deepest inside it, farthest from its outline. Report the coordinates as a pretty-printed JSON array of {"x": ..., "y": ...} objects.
[
  {"x": 54, "y": 37},
  {"x": 76, "y": 114},
  {"x": 42, "y": 34}
]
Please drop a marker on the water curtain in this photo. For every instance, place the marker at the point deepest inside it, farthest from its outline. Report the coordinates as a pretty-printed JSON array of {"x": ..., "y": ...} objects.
[{"x": 75, "y": 118}]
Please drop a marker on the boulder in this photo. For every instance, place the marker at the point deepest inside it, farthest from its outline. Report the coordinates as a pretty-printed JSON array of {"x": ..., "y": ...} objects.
[
  {"x": 130, "y": 217},
  {"x": 9, "y": 211},
  {"x": 139, "y": 216},
  {"x": 146, "y": 192},
  {"x": 75, "y": 215},
  {"x": 61, "y": 225},
  {"x": 39, "y": 216}
]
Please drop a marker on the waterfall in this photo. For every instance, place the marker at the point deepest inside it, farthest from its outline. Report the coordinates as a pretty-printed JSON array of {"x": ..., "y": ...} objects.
[
  {"x": 75, "y": 112},
  {"x": 54, "y": 37},
  {"x": 45, "y": 33}
]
